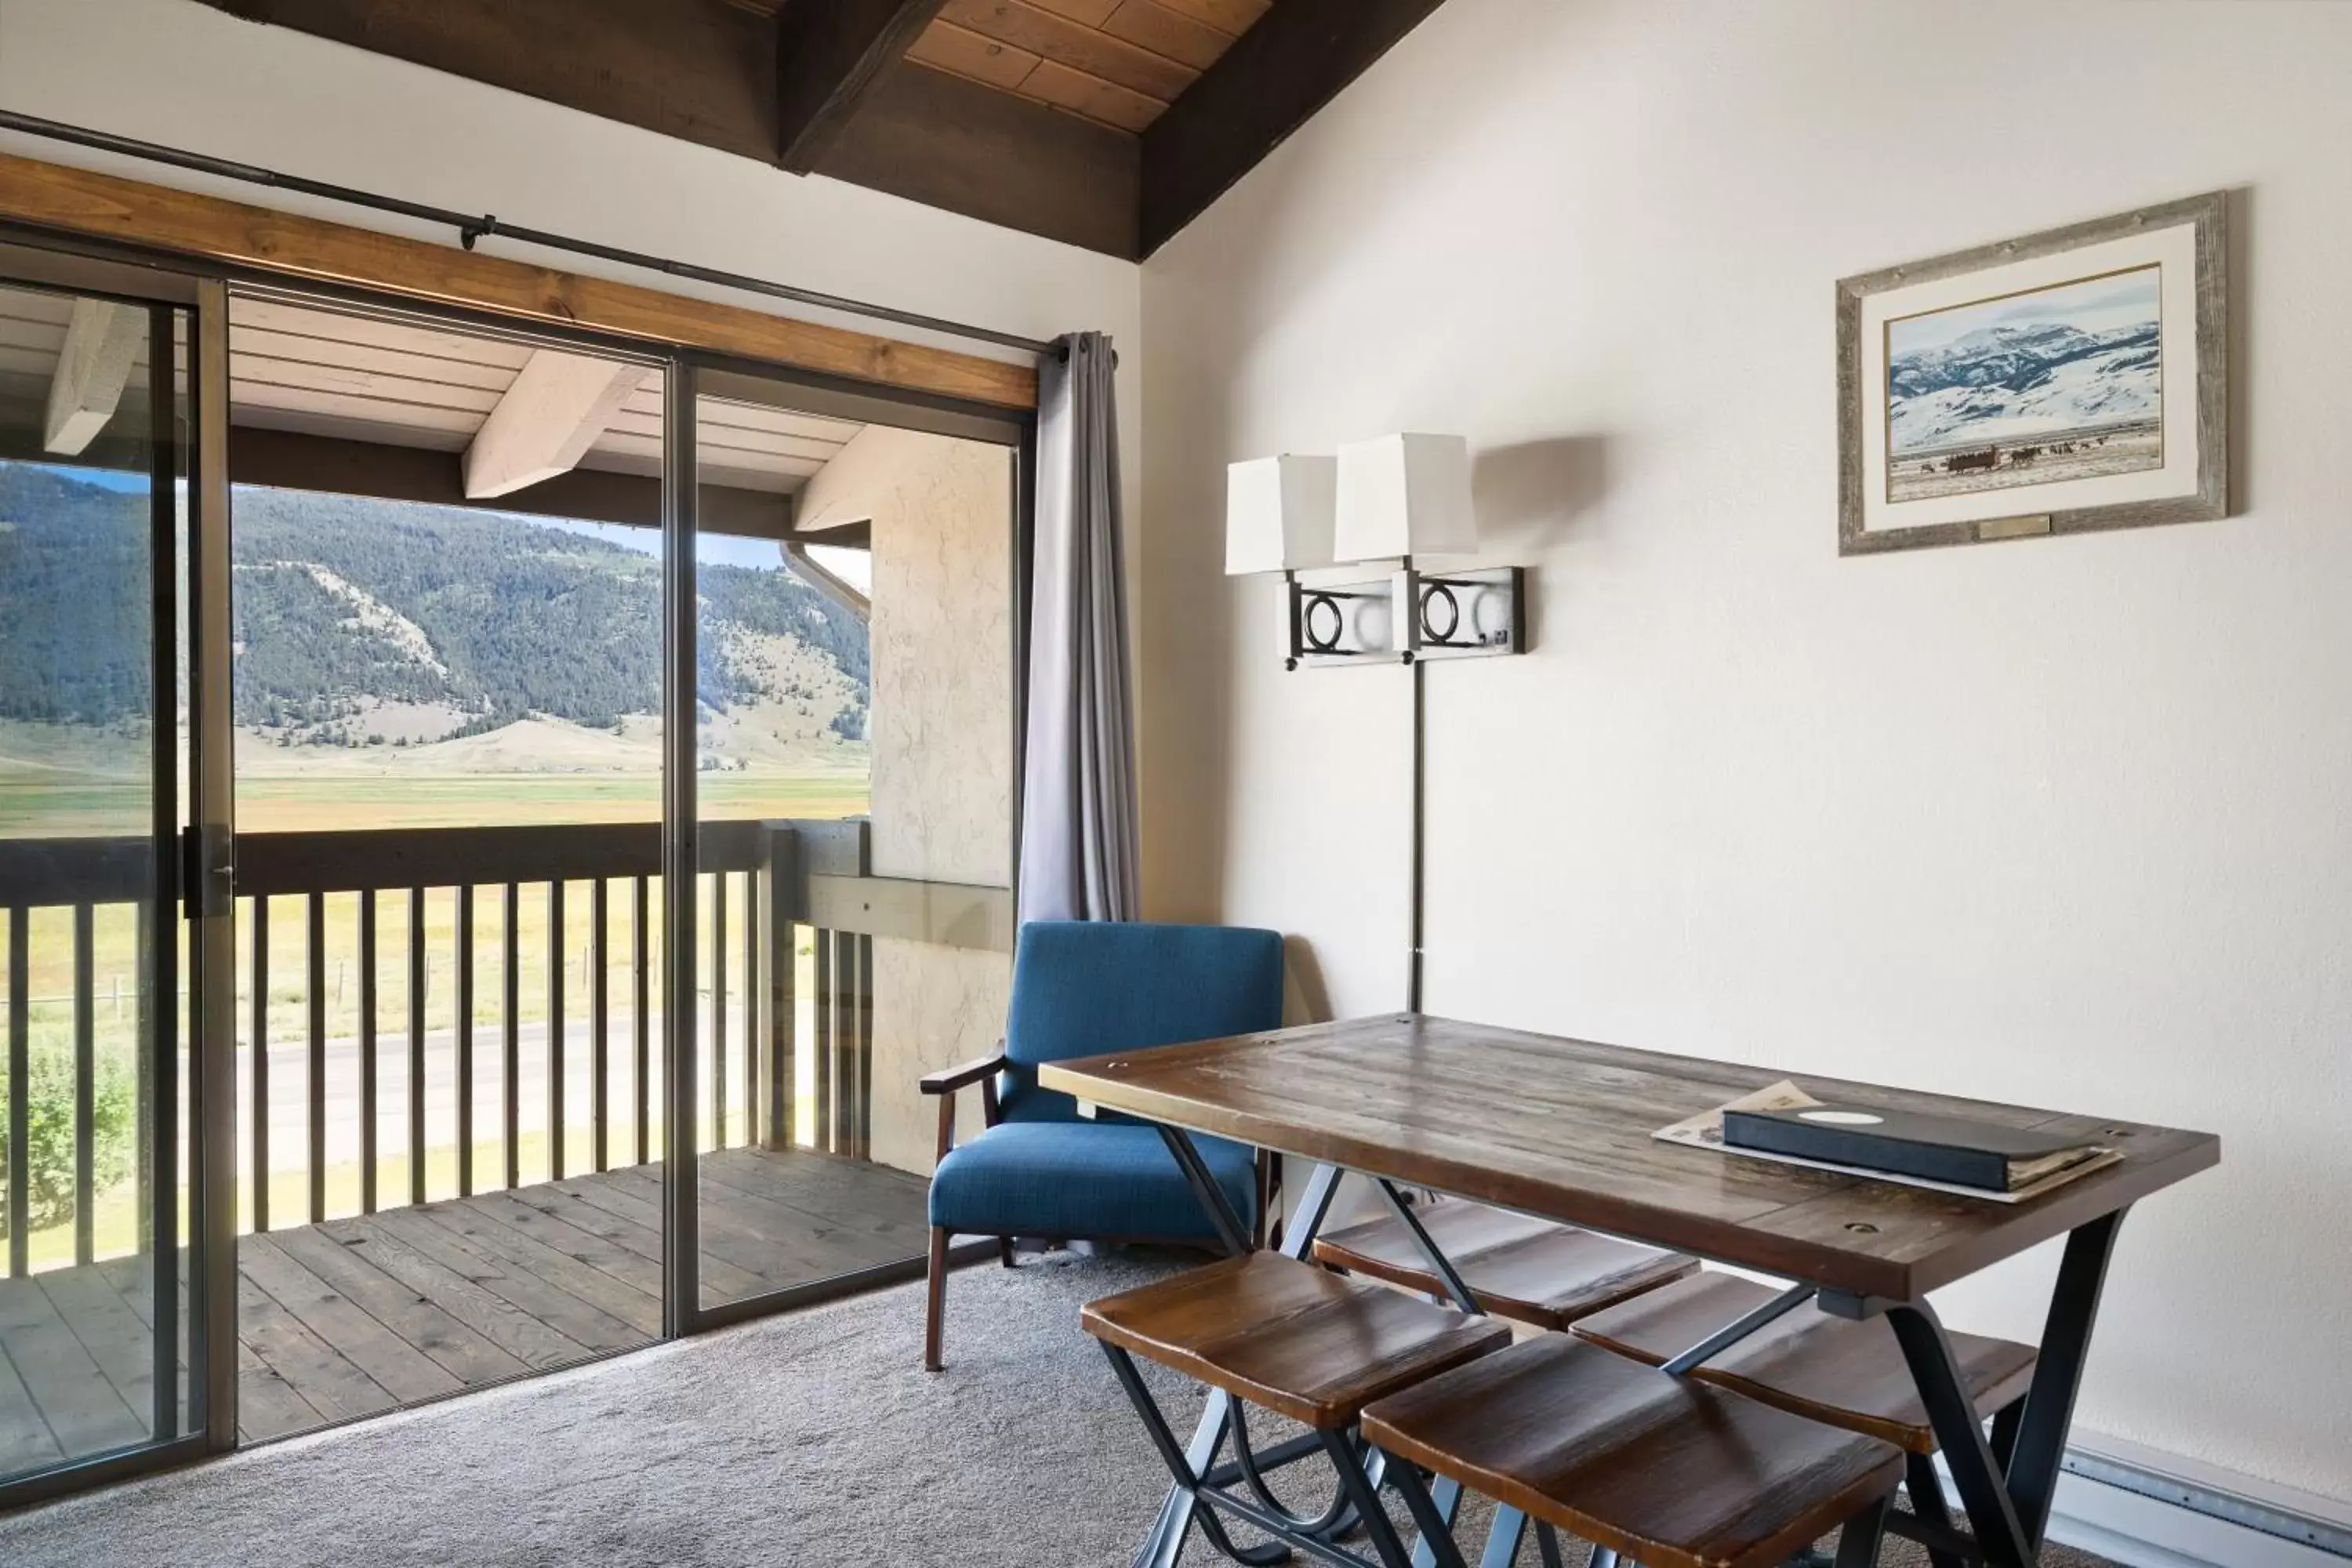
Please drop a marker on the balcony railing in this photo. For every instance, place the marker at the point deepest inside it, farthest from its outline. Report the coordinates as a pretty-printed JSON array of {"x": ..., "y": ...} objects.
[{"x": 480, "y": 1024}]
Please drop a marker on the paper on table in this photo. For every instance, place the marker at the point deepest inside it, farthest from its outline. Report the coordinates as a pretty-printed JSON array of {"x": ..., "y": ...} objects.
[{"x": 1705, "y": 1130}]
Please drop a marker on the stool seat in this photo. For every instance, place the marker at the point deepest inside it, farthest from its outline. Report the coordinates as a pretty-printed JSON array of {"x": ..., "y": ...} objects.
[
  {"x": 1289, "y": 1336},
  {"x": 1848, "y": 1373},
  {"x": 1528, "y": 1270},
  {"x": 1668, "y": 1472}
]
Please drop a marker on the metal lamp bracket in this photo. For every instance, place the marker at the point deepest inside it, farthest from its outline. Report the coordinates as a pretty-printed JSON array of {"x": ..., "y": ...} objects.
[{"x": 1408, "y": 615}]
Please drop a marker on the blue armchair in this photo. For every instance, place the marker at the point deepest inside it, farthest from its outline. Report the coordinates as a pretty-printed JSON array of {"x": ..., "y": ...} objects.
[{"x": 1039, "y": 1170}]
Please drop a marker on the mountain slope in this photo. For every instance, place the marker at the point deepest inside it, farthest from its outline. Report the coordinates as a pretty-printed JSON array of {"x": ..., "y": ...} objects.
[{"x": 348, "y": 609}]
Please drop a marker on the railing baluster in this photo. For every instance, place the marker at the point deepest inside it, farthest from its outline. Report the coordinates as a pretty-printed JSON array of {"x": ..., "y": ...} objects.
[
  {"x": 20, "y": 1090},
  {"x": 750, "y": 1007},
  {"x": 417, "y": 1045},
  {"x": 367, "y": 1051},
  {"x": 317, "y": 982},
  {"x": 783, "y": 990},
  {"x": 717, "y": 1134},
  {"x": 641, "y": 1021},
  {"x": 464, "y": 1040},
  {"x": 511, "y": 1067},
  {"x": 146, "y": 1057},
  {"x": 85, "y": 985},
  {"x": 821, "y": 940},
  {"x": 261, "y": 1004},
  {"x": 865, "y": 1101},
  {"x": 556, "y": 1031},
  {"x": 600, "y": 1021}
]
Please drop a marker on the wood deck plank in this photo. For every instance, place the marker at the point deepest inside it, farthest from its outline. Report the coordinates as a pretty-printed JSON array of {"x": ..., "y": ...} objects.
[
  {"x": 123, "y": 1347},
  {"x": 83, "y": 1411},
  {"x": 328, "y": 1382},
  {"x": 25, "y": 1441},
  {"x": 358, "y": 1316},
  {"x": 554, "y": 1252},
  {"x": 521, "y": 1336},
  {"x": 342, "y": 1262},
  {"x": 799, "y": 1242},
  {"x": 610, "y": 1244},
  {"x": 834, "y": 1192},
  {"x": 355, "y": 1334},
  {"x": 267, "y": 1405}
]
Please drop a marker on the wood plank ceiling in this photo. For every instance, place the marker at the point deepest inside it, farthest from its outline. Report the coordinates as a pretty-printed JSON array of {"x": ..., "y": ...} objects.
[
  {"x": 391, "y": 406},
  {"x": 1107, "y": 124}
]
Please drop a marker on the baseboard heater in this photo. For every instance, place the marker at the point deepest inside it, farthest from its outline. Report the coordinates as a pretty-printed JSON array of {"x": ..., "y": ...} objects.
[{"x": 2268, "y": 1518}]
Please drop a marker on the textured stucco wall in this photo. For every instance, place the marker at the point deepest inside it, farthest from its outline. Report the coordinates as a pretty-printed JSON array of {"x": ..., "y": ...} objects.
[{"x": 943, "y": 739}]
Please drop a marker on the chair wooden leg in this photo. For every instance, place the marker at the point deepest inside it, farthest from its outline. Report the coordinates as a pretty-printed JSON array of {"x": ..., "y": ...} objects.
[
  {"x": 1004, "y": 1250},
  {"x": 935, "y": 1311}
]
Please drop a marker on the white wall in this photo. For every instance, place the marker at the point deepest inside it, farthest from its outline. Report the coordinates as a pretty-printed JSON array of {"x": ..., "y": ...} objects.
[{"x": 2063, "y": 821}]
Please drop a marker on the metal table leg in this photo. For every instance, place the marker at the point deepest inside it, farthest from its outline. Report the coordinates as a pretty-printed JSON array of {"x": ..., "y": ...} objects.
[{"x": 2009, "y": 1514}]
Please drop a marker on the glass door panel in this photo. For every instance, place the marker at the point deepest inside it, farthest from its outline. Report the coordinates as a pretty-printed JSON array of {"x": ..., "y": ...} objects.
[
  {"x": 94, "y": 721},
  {"x": 852, "y": 683}
]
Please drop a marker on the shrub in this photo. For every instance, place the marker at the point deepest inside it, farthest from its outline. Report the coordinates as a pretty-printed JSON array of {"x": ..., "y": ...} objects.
[{"x": 49, "y": 1137}]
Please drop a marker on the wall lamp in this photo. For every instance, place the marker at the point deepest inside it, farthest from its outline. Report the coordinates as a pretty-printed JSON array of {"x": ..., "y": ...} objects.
[
  {"x": 1396, "y": 498},
  {"x": 1399, "y": 498}
]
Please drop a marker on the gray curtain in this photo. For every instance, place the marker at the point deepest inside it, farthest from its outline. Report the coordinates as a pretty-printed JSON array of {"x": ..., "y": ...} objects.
[{"x": 1079, "y": 859}]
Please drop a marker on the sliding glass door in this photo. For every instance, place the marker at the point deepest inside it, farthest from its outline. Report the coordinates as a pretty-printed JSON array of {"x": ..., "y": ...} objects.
[
  {"x": 102, "y": 774},
  {"x": 851, "y": 652}
]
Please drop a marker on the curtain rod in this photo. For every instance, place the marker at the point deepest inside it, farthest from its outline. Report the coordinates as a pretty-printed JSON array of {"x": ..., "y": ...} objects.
[{"x": 471, "y": 229}]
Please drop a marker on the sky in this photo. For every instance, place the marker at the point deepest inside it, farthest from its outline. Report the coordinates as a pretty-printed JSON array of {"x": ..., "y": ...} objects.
[
  {"x": 855, "y": 567},
  {"x": 2094, "y": 305}
]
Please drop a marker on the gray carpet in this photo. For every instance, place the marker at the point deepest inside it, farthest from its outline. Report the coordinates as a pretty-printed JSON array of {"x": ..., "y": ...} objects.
[{"x": 810, "y": 1438}]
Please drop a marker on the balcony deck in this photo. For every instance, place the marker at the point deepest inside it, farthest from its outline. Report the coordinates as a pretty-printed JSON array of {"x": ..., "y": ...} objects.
[{"x": 357, "y": 1316}]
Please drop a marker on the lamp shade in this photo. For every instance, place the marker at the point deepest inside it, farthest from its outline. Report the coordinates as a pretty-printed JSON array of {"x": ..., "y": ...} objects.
[
  {"x": 1278, "y": 514},
  {"x": 1404, "y": 495}
]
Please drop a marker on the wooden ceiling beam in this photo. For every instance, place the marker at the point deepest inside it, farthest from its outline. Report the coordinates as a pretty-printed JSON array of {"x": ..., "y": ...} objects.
[
  {"x": 546, "y": 421},
  {"x": 952, "y": 143},
  {"x": 701, "y": 70},
  {"x": 93, "y": 368},
  {"x": 1297, "y": 58},
  {"x": 828, "y": 54}
]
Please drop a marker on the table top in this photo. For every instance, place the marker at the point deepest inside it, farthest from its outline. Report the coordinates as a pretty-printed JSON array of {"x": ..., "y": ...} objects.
[{"x": 1561, "y": 1129}]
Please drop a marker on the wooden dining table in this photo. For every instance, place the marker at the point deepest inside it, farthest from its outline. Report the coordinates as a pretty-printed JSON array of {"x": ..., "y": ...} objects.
[{"x": 1562, "y": 1130}]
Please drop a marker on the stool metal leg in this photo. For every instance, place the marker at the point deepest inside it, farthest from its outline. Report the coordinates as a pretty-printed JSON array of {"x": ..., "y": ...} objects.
[
  {"x": 1349, "y": 1463},
  {"x": 1432, "y": 1518},
  {"x": 1928, "y": 1505},
  {"x": 1179, "y": 1465},
  {"x": 1503, "y": 1538},
  {"x": 1858, "y": 1542}
]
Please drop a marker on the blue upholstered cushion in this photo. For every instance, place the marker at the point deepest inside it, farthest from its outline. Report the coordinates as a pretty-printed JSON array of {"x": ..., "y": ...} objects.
[
  {"x": 1061, "y": 1180},
  {"x": 1081, "y": 988}
]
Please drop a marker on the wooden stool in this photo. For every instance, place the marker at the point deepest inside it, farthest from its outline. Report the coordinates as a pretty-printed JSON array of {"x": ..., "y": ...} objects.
[
  {"x": 1661, "y": 1469},
  {"x": 1528, "y": 1270},
  {"x": 1849, "y": 1375},
  {"x": 1846, "y": 1373},
  {"x": 1296, "y": 1340}
]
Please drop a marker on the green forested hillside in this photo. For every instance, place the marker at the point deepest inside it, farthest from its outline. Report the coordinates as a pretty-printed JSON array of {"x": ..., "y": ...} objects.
[{"x": 343, "y": 602}]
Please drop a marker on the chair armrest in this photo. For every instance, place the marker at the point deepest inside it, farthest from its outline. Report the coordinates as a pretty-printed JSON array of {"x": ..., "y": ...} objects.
[{"x": 972, "y": 1072}]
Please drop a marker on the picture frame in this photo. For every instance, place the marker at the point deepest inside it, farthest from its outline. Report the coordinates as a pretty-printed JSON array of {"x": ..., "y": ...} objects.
[{"x": 2068, "y": 381}]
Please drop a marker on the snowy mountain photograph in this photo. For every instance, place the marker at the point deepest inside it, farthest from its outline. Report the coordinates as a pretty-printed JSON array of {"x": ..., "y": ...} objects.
[{"x": 2060, "y": 382}]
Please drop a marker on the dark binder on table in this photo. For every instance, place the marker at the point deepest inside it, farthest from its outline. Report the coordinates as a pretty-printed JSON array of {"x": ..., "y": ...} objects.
[{"x": 1933, "y": 1148}]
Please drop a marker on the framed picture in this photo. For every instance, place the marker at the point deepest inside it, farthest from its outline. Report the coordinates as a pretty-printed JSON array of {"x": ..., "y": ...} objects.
[{"x": 2065, "y": 382}]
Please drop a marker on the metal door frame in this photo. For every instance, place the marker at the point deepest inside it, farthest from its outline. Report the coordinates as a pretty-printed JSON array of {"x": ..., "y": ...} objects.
[
  {"x": 191, "y": 874},
  {"x": 689, "y": 376}
]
